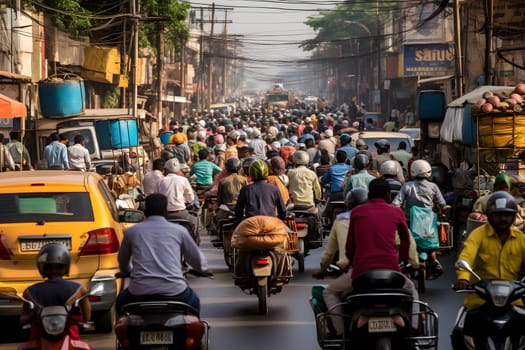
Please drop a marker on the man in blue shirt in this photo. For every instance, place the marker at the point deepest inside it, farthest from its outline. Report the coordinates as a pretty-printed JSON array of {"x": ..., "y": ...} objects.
[
  {"x": 55, "y": 154},
  {"x": 351, "y": 152},
  {"x": 335, "y": 177}
]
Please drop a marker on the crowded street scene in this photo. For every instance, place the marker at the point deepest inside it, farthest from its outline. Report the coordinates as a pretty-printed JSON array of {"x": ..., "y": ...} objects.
[{"x": 317, "y": 174}]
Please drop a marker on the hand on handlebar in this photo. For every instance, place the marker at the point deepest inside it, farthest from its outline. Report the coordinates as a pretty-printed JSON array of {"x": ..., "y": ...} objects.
[
  {"x": 206, "y": 273},
  {"x": 460, "y": 284}
]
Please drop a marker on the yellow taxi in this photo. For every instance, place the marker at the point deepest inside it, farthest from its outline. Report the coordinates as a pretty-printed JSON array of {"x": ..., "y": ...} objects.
[{"x": 76, "y": 209}]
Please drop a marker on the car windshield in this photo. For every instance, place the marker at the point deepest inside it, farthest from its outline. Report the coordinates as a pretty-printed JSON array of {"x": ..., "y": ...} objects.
[
  {"x": 277, "y": 97},
  {"x": 394, "y": 143},
  {"x": 49, "y": 207}
]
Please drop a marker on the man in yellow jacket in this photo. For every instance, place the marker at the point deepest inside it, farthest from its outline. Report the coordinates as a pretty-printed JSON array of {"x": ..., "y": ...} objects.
[{"x": 495, "y": 250}]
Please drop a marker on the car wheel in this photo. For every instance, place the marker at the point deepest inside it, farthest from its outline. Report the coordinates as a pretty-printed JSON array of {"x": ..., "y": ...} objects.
[{"x": 104, "y": 320}]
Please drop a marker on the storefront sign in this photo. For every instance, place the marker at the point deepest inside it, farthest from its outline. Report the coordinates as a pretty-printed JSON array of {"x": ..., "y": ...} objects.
[{"x": 428, "y": 59}]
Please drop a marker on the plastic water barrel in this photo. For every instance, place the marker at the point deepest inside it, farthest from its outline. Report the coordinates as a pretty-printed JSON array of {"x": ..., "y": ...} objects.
[
  {"x": 113, "y": 134},
  {"x": 165, "y": 137},
  {"x": 431, "y": 105},
  {"x": 60, "y": 98},
  {"x": 469, "y": 133}
]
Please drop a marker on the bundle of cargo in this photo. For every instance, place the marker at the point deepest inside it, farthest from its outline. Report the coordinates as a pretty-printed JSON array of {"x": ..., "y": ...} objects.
[
  {"x": 501, "y": 118},
  {"x": 260, "y": 232},
  {"x": 501, "y": 102}
]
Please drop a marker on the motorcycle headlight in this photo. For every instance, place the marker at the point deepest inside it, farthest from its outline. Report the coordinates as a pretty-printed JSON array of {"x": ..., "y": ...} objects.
[
  {"x": 500, "y": 291},
  {"x": 54, "y": 319}
]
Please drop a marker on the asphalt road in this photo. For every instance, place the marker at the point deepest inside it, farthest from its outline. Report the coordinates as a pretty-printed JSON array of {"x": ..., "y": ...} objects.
[{"x": 289, "y": 324}]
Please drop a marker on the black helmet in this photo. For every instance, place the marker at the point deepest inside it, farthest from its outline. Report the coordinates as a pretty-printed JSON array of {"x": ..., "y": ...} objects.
[
  {"x": 382, "y": 144},
  {"x": 501, "y": 202},
  {"x": 53, "y": 255},
  {"x": 355, "y": 197},
  {"x": 246, "y": 162},
  {"x": 233, "y": 165},
  {"x": 360, "y": 161}
]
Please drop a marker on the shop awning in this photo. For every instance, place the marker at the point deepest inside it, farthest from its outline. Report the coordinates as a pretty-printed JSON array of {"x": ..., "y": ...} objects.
[{"x": 10, "y": 108}]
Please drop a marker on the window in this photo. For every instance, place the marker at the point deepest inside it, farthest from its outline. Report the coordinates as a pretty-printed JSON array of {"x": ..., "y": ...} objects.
[{"x": 50, "y": 207}]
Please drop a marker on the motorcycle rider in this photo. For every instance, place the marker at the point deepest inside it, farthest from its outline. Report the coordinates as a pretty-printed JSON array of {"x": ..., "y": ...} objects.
[
  {"x": 151, "y": 252},
  {"x": 53, "y": 261},
  {"x": 337, "y": 239},
  {"x": 229, "y": 188},
  {"x": 360, "y": 177},
  {"x": 388, "y": 171},
  {"x": 305, "y": 189},
  {"x": 335, "y": 176},
  {"x": 383, "y": 153},
  {"x": 371, "y": 244},
  {"x": 351, "y": 152},
  {"x": 495, "y": 251},
  {"x": 422, "y": 193}
]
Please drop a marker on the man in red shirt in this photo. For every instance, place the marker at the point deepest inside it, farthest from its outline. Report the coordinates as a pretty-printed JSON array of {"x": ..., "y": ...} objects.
[{"x": 371, "y": 244}]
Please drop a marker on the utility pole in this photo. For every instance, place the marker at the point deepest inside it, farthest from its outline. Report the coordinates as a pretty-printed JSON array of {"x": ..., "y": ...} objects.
[
  {"x": 183, "y": 75},
  {"x": 225, "y": 51},
  {"x": 200, "y": 99},
  {"x": 135, "y": 34},
  {"x": 160, "y": 69},
  {"x": 210, "y": 60},
  {"x": 459, "y": 50},
  {"x": 489, "y": 27}
]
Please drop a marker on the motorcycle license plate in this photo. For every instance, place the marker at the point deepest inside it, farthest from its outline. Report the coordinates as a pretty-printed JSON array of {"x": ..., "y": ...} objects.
[
  {"x": 156, "y": 337},
  {"x": 381, "y": 325}
]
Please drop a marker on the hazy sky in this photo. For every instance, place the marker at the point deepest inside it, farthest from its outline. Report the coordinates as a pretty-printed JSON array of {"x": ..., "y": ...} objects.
[{"x": 271, "y": 30}]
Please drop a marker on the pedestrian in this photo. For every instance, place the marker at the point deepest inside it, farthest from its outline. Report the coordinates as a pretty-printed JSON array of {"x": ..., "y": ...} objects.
[
  {"x": 78, "y": 155},
  {"x": 6, "y": 161},
  {"x": 55, "y": 154},
  {"x": 19, "y": 152}
]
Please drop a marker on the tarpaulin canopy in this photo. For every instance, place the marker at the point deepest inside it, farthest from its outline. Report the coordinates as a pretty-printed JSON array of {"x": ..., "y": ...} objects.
[{"x": 10, "y": 108}]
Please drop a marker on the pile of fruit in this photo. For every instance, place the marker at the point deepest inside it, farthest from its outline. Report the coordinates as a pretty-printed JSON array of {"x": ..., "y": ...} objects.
[{"x": 513, "y": 102}]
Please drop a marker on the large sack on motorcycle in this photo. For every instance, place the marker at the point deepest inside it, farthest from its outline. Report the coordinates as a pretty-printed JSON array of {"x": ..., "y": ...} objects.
[
  {"x": 260, "y": 232},
  {"x": 423, "y": 225}
]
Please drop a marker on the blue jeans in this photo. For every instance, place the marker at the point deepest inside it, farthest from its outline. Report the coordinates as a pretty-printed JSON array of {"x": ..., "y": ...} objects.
[{"x": 188, "y": 296}]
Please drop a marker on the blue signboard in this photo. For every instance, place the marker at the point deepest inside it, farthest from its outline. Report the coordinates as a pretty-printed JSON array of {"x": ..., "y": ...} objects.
[{"x": 428, "y": 60}]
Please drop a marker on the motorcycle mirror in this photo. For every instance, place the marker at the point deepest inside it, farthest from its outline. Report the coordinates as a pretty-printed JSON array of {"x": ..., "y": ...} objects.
[
  {"x": 463, "y": 265},
  {"x": 10, "y": 293}
]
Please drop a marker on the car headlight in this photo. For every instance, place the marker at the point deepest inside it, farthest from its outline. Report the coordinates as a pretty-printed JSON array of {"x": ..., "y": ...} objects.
[{"x": 54, "y": 319}]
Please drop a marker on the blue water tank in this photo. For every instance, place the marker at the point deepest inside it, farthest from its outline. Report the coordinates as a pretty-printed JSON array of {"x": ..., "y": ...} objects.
[
  {"x": 165, "y": 137},
  {"x": 113, "y": 134},
  {"x": 431, "y": 105},
  {"x": 60, "y": 98},
  {"x": 469, "y": 132}
]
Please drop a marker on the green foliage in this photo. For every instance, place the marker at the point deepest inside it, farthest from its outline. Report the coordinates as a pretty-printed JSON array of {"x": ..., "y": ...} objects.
[{"x": 333, "y": 26}]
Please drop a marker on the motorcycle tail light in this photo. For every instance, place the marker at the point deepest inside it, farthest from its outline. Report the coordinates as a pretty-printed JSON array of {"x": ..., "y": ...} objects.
[
  {"x": 194, "y": 334},
  {"x": 262, "y": 261},
  {"x": 499, "y": 291},
  {"x": 300, "y": 224}
]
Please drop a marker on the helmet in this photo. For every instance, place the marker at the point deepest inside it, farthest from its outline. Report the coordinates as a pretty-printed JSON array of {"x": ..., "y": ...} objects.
[
  {"x": 178, "y": 138},
  {"x": 382, "y": 144},
  {"x": 233, "y": 165},
  {"x": 276, "y": 146},
  {"x": 172, "y": 165},
  {"x": 420, "y": 168},
  {"x": 389, "y": 168},
  {"x": 360, "y": 161},
  {"x": 53, "y": 255},
  {"x": 246, "y": 162},
  {"x": 501, "y": 202},
  {"x": 356, "y": 196},
  {"x": 360, "y": 143},
  {"x": 259, "y": 170},
  {"x": 202, "y": 123},
  {"x": 344, "y": 138},
  {"x": 300, "y": 158},
  {"x": 234, "y": 135},
  {"x": 255, "y": 133},
  {"x": 221, "y": 129},
  {"x": 201, "y": 134}
]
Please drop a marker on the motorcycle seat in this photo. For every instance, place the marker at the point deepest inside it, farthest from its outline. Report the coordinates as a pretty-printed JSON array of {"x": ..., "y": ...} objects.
[
  {"x": 158, "y": 304},
  {"x": 379, "y": 279}
]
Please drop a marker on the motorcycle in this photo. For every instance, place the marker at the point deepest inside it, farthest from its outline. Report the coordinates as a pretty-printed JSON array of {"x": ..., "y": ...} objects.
[
  {"x": 494, "y": 324},
  {"x": 226, "y": 225},
  {"x": 161, "y": 324},
  {"x": 303, "y": 220},
  {"x": 338, "y": 207},
  {"x": 265, "y": 272},
  {"x": 53, "y": 324},
  {"x": 191, "y": 226},
  {"x": 377, "y": 314}
]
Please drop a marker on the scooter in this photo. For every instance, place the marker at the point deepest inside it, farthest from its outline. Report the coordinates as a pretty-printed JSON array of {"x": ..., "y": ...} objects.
[
  {"x": 53, "y": 324},
  {"x": 190, "y": 225},
  {"x": 494, "y": 324},
  {"x": 263, "y": 272},
  {"x": 161, "y": 324},
  {"x": 304, "y": 219},
  {"x": 377, "y": 314}
]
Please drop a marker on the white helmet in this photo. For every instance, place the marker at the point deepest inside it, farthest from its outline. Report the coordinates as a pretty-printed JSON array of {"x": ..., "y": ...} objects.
[
  {"x": 172, "y": 165},
  {"x": 421, "y": 168},
  {"x": 389, "y": 168},
  {"x": 300, "y": 158}
]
